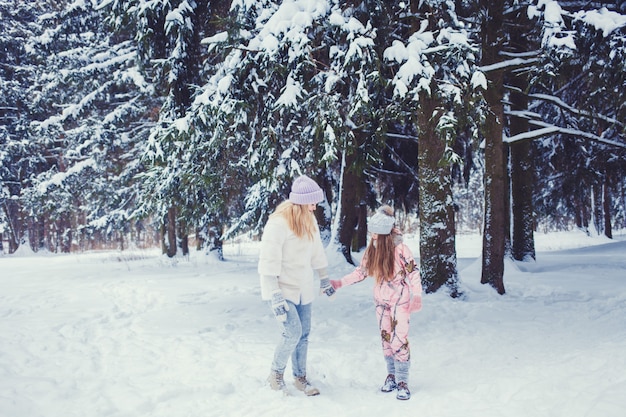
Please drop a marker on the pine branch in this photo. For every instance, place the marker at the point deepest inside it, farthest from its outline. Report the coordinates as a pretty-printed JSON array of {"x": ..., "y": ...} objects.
[
  {"x": 400, "y": 161},
  {"x": 563, "y": 105}
]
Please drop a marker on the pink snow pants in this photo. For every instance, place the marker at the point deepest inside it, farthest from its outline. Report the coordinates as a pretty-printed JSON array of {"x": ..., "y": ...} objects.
[{"x": 393, "y": 322}]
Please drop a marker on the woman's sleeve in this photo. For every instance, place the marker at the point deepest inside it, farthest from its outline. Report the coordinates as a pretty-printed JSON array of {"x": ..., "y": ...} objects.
[
  {"x": 319, "y": 260},
  {"x": 271, "y": 249}
]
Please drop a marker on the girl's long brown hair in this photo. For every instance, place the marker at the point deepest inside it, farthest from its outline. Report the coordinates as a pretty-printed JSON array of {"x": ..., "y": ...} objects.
[
  {"x": 379, "y": 258},
  {"x": 300, "y": 220}
]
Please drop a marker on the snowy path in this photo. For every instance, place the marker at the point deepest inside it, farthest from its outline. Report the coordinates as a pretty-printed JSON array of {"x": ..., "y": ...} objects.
[{"x": 92, "y": 336}]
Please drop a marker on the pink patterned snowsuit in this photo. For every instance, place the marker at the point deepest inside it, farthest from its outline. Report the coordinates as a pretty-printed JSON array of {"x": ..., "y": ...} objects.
[{"x": 395, "y": 300}]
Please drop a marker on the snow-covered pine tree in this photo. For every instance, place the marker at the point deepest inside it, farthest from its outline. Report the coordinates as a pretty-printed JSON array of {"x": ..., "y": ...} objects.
[
  {"x": 496, "y": 191},
  {"x": 523, "y": 45},
  {"x": 358, "y": 39},
  {"x": 284, "y": 98},
  {"x": 435, "y": 73},
  {"x": 91, "y": 110},
  {"x": 583, "y": 112},
  {"x": 19, "y": 157},
  {"x": 168, "y": 36}
]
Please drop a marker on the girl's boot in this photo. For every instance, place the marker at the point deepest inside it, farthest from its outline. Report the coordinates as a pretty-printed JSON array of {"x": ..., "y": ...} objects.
[
  {"x": 390, "y": 382},
  {"x": 402, "y": 378}
]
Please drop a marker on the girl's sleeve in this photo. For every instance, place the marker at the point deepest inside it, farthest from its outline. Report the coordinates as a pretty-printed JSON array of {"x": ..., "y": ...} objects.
[
  {"x": 413, "y": 277},
  {"x": 358, "y": 275}
]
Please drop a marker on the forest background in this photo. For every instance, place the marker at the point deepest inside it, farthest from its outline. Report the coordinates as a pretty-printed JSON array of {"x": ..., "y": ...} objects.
[{"x": 183, "y": 122}]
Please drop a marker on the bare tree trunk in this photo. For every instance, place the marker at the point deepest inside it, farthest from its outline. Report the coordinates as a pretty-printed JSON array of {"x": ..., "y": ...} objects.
[{"x": 495, "y": 170}]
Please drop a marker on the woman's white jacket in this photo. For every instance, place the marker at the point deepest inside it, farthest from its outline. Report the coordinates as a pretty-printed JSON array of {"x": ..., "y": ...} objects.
[{"x": 287, "y": 262}]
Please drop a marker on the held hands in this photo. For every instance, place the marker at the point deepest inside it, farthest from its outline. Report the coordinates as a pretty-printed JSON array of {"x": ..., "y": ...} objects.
[
  {"x": 327, "y": 288},
  {"x": 336, "y": 284},
  {"x": 279, "y": 305}
]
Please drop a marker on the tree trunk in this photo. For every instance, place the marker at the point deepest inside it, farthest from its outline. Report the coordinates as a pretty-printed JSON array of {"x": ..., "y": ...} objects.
[
  {"x": 522, "y": 180},
  {"x": 324, "y": 212},
  {"x": 183, "y": 237},
  {"x": 360, "y": 238},
  {"x": 65, "y": 233},
  {"x": 495, "y": 173},
  {"x": 215, "y": 241},
  {"x": 438, "y": 265},
  {"x": 351, "y": 194},
  {"x": 171, "y": 232},
  {"x": 184, "y": 243},
  {"x": 41, "y": 234},
  {"x": 597, "y": 207},
  {"x": 507, "y": 199},
  {"x": 581, "y": 201},
  {"x": 606, "y": 205},
  {"x": 11, "y": 211}
]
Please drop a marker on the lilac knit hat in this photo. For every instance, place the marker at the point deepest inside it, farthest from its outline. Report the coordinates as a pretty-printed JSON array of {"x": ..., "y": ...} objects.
[{"x": 305, "y": 191}]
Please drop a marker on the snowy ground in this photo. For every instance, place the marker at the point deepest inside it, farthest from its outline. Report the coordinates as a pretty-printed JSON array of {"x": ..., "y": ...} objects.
[{"x": 135, "y": 334}]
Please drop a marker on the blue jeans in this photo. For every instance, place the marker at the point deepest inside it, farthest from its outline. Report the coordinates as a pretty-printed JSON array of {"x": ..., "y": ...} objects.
[{"x": 294, "y": 341}]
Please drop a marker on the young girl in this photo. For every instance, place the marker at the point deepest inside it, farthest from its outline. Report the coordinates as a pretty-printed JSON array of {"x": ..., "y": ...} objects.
[
  {"x": 397, "y": 293},
  {"x": 291, "y": 249}
]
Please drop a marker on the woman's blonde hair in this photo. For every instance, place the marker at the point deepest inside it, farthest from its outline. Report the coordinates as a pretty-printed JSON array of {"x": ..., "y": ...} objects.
[
  {"x": 379, "y": 257},
  {"x": 300, "y": 220}
]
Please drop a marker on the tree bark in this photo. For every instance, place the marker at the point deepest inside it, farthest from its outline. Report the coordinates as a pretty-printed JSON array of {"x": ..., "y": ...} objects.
[
  {"x": 438, "y": 262},
  {"x": 323, "y": 213},
  {"x": 65, "y": 233},
  {"x": 522, "y": 176},
  {"x": 597, "y": 207},
  {"x": 606, "y": 202},
  {"x": 351, "y": 194},
  {"x": 171, "y": 232}
]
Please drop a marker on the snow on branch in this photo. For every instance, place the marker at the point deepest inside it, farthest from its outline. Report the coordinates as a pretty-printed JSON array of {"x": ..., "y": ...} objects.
[
  {"x": 565, "y": 106},
  {"x": 548, "y": 129},
  {"x": 509, "y": 63},
  {"x": 525, "y": 54}
]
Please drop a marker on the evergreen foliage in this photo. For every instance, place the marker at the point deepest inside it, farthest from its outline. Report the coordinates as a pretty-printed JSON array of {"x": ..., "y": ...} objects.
[{"x": 119, "y": 118}]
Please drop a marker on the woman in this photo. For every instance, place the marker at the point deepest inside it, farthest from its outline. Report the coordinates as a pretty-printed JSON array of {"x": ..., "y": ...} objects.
[
  {"x": 397, "y": 293},
  {"x": 291, "y": 249}
]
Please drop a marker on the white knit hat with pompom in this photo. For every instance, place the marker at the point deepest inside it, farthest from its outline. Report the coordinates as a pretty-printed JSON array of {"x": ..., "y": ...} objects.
[{"x": 382, "y": 222}]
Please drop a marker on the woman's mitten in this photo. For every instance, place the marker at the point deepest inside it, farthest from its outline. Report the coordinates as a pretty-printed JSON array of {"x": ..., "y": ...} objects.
[{"x": 279, "y": 305}]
